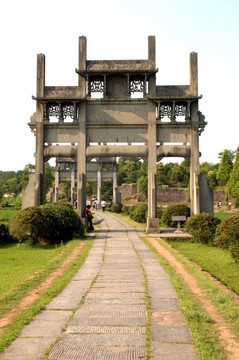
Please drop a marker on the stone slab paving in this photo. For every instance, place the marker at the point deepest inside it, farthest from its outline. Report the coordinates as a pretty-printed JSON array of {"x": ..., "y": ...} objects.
[{"x": 111, "y": 322}]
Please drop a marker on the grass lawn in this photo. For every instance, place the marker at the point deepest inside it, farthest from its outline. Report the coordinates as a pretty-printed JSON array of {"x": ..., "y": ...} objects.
[
  {"x": 222, "y": 216},
  {"x": 24, "y": 268},
  {"x": 217, "y": 262},
  {"x": 18, "y": 262},
  {"x": 6, "y": 215}
]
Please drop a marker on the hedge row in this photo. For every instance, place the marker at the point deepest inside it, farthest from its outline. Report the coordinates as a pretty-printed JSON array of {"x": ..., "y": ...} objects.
[{"x": 51, "y": 224}]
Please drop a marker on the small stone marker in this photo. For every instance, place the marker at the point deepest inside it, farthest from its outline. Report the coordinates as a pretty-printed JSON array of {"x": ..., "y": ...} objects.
[{"x": 178, "y": 219}]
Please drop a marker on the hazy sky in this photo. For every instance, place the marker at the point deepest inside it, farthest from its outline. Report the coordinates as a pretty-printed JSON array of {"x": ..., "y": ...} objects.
[{"x": 118, "y": 30}]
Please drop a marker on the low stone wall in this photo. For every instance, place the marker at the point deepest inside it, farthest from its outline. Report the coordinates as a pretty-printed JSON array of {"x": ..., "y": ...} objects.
[
  {"x": 127, "y": 190},
  {"x": 169, "y": 195},
  {"x": 219, "y": 196},
  {"x": 165, "y": 195}
]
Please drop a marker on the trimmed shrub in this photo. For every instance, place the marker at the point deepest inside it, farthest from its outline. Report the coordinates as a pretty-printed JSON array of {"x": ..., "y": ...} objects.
[
  {"x": 125, "y": 209},
  {"x": 159, "y": 212},
  {"x": 227, "y": 235},
  {"x": 62, "y": 203},
  {"x": 138, "y": 212},
  {"x": 202, "y": 227},
  {"x": 174, "y": 210},
  {"x": 62, "y": 223},
  {"x": 116, "y": 208},
  {"x": 27, "y": 225},
  {"x": 51, "y": 223}
]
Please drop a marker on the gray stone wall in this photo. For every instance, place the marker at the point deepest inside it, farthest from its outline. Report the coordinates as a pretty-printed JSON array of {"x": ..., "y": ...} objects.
[{"x": 167, "y": 195}]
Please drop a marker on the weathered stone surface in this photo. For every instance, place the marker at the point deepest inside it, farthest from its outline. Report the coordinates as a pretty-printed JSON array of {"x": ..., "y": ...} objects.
[
  {"x": 27, "y": 349},
  {"x": 90, "y": 352},
  {"x": 71, "y": 296},
  {"x": 116, "y": 295},
  {"x": 168, "y": 318},
  {"x": 157, "y": 303},
  {"x": 105, "y": 339},
  {"x": 168, "y": 351},
  {"x": 105, "y": 330},
  {"x": 163, "y": 333},
  {"x": 101, "y": 321},
  {"x": 115, "y": 301}
]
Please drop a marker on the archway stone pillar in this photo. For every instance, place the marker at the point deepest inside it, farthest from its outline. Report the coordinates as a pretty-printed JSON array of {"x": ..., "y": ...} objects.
[{"x": 152, "y": 220}]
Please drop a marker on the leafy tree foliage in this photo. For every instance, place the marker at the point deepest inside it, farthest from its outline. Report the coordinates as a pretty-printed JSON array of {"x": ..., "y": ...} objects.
[
  {"x": 12, "y": 182},
  {"x": 128, "y": 170},
  {"x": 224, "y": 169},
  {"x": 232, "y": 187},
  {"x": 142, "y": 185},
  {"x": 173, "y": 174},
  {"x": 230, "y": 152},
  {"x": 211, "y": 172},
  {"x": 48, "y": 177}
]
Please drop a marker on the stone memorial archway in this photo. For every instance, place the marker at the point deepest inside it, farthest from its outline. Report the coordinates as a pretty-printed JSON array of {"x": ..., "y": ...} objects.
[{"x": 117, "y": 110}]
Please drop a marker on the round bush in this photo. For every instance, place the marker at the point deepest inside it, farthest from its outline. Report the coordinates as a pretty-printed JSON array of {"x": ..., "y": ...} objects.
[
  {"x": 52, "y": 223},
  {"x": 203, "y": 227},
  {"x": 116, "y": 208},
  {"x": 27, "y": 225},
  {"x": 138, "y": 212},
  {"x": 159, "y": 212},
  {"x": 125, "y": 209},
  {"x": 174, "y": 210},
  {"x": 62, "y": 203},
  {"x": 62, "y": 222},
  {"x": 227, "y": 235}
]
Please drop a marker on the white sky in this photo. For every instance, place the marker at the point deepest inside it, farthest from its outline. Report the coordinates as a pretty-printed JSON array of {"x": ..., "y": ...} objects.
[{"x": 118, "y": 30}]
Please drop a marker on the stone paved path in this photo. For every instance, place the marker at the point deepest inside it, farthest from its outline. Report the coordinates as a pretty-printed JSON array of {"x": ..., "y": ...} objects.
[{"x": 111, "y": 322}]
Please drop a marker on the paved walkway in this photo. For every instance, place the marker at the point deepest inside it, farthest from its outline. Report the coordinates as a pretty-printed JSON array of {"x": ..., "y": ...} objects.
[{"x": 111, "y": 322}]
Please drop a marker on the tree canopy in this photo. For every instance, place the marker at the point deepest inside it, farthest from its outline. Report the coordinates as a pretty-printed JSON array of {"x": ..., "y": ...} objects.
[
  {"x": 233, "y": 183},
  {"x": 225, "y": 167}
]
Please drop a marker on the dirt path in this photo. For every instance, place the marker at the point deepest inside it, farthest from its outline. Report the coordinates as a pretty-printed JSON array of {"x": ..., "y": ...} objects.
[
  {"x": 35, "y": 293},
  {"x": 225, "y": 334}
]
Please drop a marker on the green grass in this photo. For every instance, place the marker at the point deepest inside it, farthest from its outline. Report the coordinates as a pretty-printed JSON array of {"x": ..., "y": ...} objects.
[
  {"x": 18, "y": 262},
  {"x": 224, "y": 302},
  {"x": 20, "y": 289},
  {"x": 6, "y": 215},
  {"x": 222, "y": 216},
  {"x": 217, "y": 262}
]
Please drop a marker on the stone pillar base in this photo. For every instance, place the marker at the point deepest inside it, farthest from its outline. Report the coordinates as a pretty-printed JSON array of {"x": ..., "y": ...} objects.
[{"x": 152, "y": 225}]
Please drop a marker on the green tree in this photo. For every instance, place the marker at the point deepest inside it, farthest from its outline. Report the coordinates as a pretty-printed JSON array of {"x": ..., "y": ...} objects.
[
  {"x": 107, "y": 191},
  {"x": 232, "y": 187},
  {"x": 230, "y": 152},
  {"x": 128, "y": 170},
  {"x": 185, "y": 165},
  {"x": 211, "y": 172},
  {"x": 162, "y": 176},
  {"x": 65, "y": 193},
  {"x": 225, "y": 167},
  {"x": 176, "y": 174},
  {"x": 142, "y": 185},
  {"x": 91, "y": 189},
  {"x": 48, "y": 177}
]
